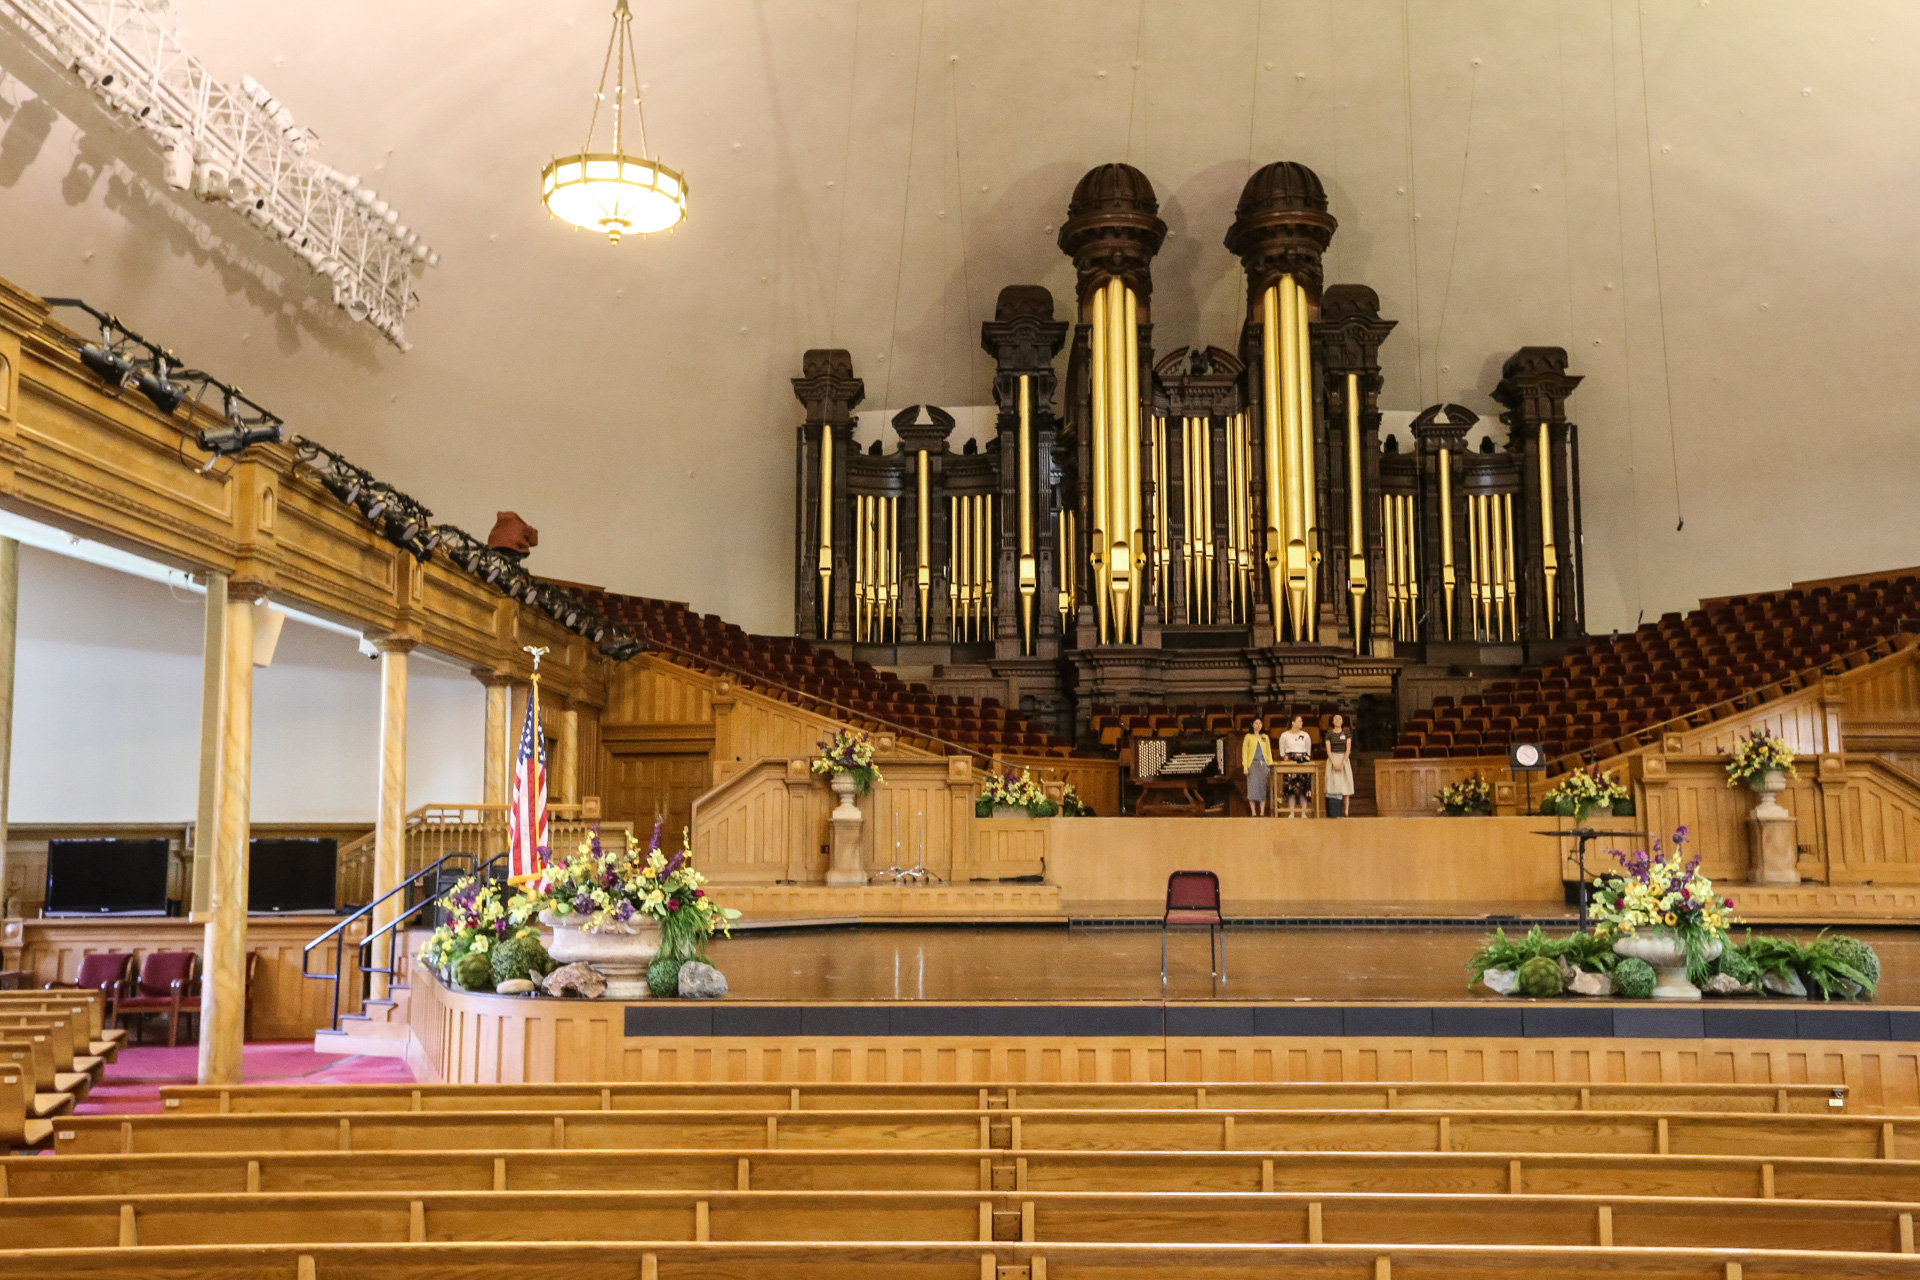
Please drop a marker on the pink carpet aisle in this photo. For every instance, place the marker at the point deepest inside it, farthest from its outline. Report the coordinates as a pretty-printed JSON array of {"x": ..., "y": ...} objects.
[{"x": 132, "y": 1084}]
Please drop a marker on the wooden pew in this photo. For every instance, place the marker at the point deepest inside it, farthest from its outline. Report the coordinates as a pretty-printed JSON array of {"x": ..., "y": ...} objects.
[
  {"x": 18, "y": 1130},
  {"x": 242, "y": 1099},
  {"x": 1856, "y": 1137},
  {"x": 85, "y": 1006},
  {"x": 46, "y": 1077},
  {"x": 113, "y": 1038},
  {"x": 59, "y": 1028},
  {"x": 27, "y": 1058},
  {"x": 999, "y": 1261},
  {"x": 1491, "y": 1174},
  {"x": 93, "y": 1222}
]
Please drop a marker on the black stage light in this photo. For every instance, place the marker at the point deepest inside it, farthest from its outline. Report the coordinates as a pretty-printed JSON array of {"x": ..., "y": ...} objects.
[
  {"x": 112, "y": 368},
  {"x": 232, "y": 439},
  {"x": 621, "y": 648},
  {"x": 342, "y": 484},
  {"x": 167, "y": 396},
  {"x": 373, "y": 504}
]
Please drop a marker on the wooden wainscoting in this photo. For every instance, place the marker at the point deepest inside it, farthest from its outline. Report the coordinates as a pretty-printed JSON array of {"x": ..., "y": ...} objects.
[{"x": 286, "y": 1006}]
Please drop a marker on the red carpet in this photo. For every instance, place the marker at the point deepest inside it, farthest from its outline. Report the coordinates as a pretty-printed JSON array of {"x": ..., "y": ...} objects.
[{"x": 132, "y": 1084}]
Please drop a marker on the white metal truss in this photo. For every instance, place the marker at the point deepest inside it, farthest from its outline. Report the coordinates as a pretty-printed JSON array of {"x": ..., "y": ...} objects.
[{"x": 238, "y": 148}]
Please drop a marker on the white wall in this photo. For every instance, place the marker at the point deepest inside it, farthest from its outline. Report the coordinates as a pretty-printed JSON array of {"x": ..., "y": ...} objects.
[
  {"x": 107, "y": 710},
  {"x": 1709, "y": 205}
]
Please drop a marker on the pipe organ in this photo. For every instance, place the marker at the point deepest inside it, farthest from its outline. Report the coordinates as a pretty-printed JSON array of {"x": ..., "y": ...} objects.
[{"x": 1207, "y": 498}]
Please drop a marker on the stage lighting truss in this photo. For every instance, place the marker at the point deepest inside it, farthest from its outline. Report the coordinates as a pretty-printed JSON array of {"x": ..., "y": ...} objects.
[
  {"x": 240, "y": 148},
  {"x": 125, "y": 361},
  {"x": 408, "y": 524}
]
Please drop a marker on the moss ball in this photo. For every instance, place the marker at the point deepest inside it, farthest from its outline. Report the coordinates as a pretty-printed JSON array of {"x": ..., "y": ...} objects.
[
  {"x": 520, "y": 956},
  {"x": 1855, "y": 954},
  {"x": 473, "y": 972},
  {"x": 663, "y": 977},
  {"x": 1633, "y": 978},
  {"x": 1739, "y": 966},
  {"x": 1539, "y": 977}
]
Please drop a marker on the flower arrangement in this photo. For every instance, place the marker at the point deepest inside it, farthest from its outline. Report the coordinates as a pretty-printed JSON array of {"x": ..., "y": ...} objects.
[
  {"x": 1468, "y": 797},
  {"x": 1018, "y": 792},
  {"x": 1584, "y": 790},
  {"x": 601, "y": 890},
  {"x": 1757, "y": 755},
  {"x": 475, "y": 917},
  {"x": 851, "y": 752},
  {"x": 1663, "y": 890}
]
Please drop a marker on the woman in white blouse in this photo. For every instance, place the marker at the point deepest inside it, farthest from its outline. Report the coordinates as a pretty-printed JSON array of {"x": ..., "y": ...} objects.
[{"x": 1296, "y": 747}]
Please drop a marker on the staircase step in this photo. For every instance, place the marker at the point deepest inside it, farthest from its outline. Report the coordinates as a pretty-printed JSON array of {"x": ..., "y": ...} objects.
[{"x": 371, "y": 1046}]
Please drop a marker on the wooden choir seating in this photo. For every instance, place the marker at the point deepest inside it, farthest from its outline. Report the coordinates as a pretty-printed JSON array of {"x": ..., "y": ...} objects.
[
  {"x": 1005, "y": 1181},
  {"x": 276, "y": 1099},
  {"x": 1676, "y": 671},
  {"x": 818, "y": 680}
]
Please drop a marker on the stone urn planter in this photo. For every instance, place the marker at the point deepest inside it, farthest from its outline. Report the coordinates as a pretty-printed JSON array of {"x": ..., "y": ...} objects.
[
  {"x": 1009, "y": 811},
  {"x": 1768, "y": 787},
  {"x": 619, "y": 957},
  {"x": 1661, "y": 948},
  {"x": 843, "y": 786}
]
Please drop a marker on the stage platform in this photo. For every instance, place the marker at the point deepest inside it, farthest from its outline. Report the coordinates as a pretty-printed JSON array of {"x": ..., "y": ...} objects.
[{"x": 977, "y": 1004}]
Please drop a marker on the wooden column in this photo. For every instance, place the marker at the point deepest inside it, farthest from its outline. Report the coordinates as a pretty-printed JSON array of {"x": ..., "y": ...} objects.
[
  {"x": 566, "y": 764},
  {"x": 223, "y": 998},
  {"x": 9, "y": 630},
  {"x": 499, "y": 692},
  {"x": 206, "y": 822},
  {"x": 390, "y": 814}
]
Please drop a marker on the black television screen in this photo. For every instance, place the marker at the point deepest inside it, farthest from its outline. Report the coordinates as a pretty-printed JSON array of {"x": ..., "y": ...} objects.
[
  {"x": 106, "y": 877},
  {"x": 291, "y": 874}
]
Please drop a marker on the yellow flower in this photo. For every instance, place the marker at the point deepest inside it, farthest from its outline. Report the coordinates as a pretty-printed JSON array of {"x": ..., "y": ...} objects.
[{"x": 1672, "y": 919}]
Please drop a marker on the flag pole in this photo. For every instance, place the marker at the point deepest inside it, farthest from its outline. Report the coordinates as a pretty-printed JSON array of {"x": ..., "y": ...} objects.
[{"x": 533, "y": 710}]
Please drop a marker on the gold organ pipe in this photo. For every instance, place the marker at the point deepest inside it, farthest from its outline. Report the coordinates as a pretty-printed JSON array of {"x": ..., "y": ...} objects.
[
  {"x": 1356, "y": 530},
  {"x": 1233, "y": 515},
  {"x": 957, "y": 537},
  {"x": 1390, "y": 535},
  {"x": 1410, "y": 566},
  {"x": 1291, "y": 607},
  {"x": 1068, "y": 562},
  {"x": 1270, "y": 401},
  {"x": 1513, "y": 592},
  {"x": 893, "y": 568},
  {"x": 1131, "y": 420},
  {"x": 923, "y": 562},
  {"x": 1120, "y": 568},
  {"x": 1206, "y": 519},
  {"x": 1497, "y": 548},
  {"x": 861, "y": 556},
  {"x": 1157, "y": 439},
  {"x": 1448, "y": 578},
  {"x": 1476, "y": 566},
  {"x": 1186, "y": 517},
  {"x": 1309, "y": 463},
  {"x": 1549, "y": 555},
  {"x": 1097, "y": 553},
  {"x": 826, "y": 531},
  {"x": 1029, "y": 567}
]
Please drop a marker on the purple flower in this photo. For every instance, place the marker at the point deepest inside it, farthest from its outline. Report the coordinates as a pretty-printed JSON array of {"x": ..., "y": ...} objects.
[
  {"x": 654, "y": 843},
  {"x": 500, "y": 928},
  {"x": 623, "y": 912},
  {"x": 673, "y": 865},
  {"x": 582, "y": 904},
  {"x": 1680, "y": 835}
]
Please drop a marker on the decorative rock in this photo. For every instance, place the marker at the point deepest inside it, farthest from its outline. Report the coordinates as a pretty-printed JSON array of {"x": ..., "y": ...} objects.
[
  {"x": 515, "y": 986},
  {"x": 1725, "y": 984},
  {"x": 1790, "y": 985},
  {"x": 1591, "y": 984},
  {"x": 577, "y": 979},
  {"x": 701, "y": 981},
  {"x": 1501, "y": 982}
]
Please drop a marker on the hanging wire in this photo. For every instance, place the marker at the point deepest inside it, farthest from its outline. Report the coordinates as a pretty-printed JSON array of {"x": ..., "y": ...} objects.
[
  {"x": 1253, "y": 111},
  {"x": 1133, "y": 88},
  {"x": 846, "y": 164},
  {"x": 906, "y": 205},
  {"x": 1659, "y": 285},
  {"x": 1626, "y": 335},
  {"x": 1459, "y": 209},
  {"x": 959, "y": 186},
  {"x": 1413, "y": 199},
  {"x": 1566, "y": 180}
]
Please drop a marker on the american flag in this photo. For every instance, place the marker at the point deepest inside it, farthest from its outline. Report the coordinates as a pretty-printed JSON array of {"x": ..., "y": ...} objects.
[{"x": 527, "y": 813}]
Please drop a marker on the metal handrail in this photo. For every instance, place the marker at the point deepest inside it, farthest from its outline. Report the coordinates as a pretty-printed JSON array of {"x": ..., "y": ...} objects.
[
  {"x": 339, "y": 931},
  {"x": 390, "y": 930}
]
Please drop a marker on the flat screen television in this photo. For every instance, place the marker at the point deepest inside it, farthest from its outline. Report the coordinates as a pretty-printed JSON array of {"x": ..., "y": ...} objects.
[
  {"x": 287, "y": 874},
  {"x": 106, "y": 877}
]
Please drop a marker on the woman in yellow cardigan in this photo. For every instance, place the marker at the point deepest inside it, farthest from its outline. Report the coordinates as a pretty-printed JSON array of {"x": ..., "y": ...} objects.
[{"x": 1256, "y": 760}]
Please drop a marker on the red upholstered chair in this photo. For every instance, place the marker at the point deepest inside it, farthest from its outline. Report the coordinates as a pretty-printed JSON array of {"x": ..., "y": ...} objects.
[
  {"x": 105, "y": 972},
  {"x": 1193, "y": 897},
  {"x": 169, "y": 984}
]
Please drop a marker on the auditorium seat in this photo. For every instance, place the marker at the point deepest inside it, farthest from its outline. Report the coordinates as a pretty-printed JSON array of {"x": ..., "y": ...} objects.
[{"x": 1704, "y": 663}]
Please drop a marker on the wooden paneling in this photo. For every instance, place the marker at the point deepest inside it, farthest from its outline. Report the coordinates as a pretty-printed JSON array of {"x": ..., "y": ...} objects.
[
  {"x": 286, "y": 1006},
  {"x": 651, "y": 690},
  {"x": 459, "y": 1037},
  {"x": 1097, "y": 781},
  {"x": 1692, "y": 792},
  {"x": 1276, "y": 860},
  {"x": 1407, "y": 788},
  {"x": 1877, "y": 816},
  {"x": 640, "y": 788}
]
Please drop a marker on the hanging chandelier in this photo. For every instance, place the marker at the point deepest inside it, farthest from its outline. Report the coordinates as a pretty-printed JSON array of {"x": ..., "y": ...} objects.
[{"x": 611, "y": 191}]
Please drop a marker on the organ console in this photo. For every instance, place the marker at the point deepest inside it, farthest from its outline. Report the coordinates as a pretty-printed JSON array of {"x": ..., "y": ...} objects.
[{"x": 1208, "y": 525}]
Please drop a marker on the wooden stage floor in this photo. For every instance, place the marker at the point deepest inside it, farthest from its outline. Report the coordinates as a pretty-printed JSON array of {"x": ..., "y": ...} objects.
[{"x": 1044, "y": 964}]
